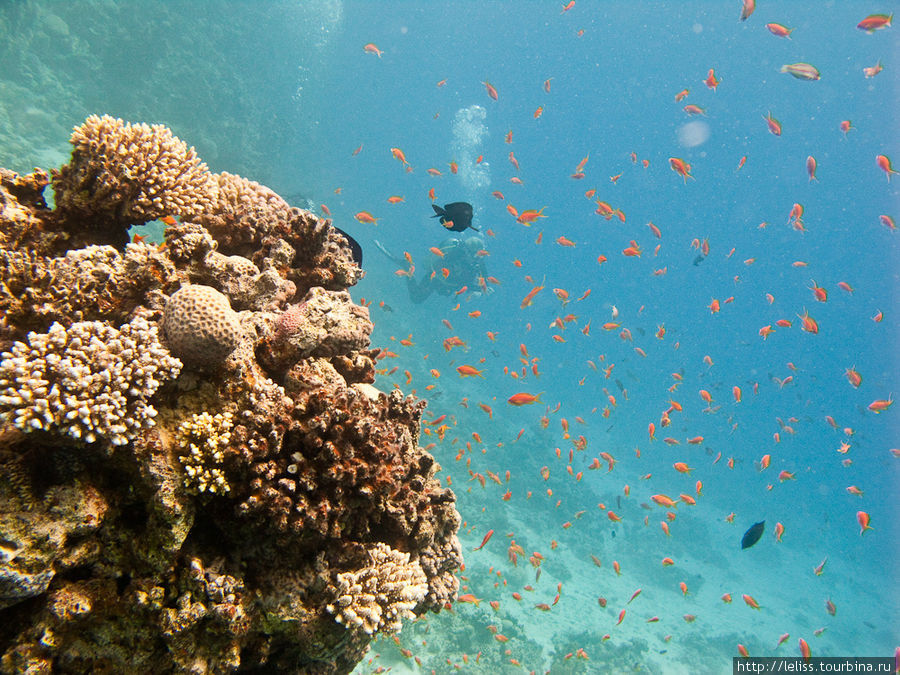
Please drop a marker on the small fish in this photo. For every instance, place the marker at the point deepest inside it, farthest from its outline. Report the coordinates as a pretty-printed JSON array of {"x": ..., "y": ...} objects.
[
  {"x": 778, "y": 30},
  {"x": 524, "y": 398},
  {"x": 370, "y": 48},
  {"x": 753, "y": 535},
  {"x": 802, "y": 71},
  {"x": 875, "y": 22},
  {"x": 484, "y": 541}
]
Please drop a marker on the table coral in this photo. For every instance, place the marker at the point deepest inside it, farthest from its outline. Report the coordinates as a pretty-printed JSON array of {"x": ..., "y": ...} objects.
[{"x": 194, "y": 464}]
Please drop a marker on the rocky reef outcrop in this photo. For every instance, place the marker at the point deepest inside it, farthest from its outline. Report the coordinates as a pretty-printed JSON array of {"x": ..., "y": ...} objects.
[{"x": 196, "y": 473}]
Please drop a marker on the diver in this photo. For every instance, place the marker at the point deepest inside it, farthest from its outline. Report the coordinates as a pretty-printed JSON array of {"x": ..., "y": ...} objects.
[{"x": 461, "y": 265}]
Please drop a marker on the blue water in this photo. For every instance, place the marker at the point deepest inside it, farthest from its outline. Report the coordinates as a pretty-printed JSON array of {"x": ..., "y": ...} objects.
[{"x": 283, "y": 93}]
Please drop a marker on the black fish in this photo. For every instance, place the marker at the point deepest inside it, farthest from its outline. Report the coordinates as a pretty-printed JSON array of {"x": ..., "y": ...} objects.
[
  {"x": 753, "y": 535},
  {"x": 458, "y": 214},
  {"x": 355, "y": 248}
]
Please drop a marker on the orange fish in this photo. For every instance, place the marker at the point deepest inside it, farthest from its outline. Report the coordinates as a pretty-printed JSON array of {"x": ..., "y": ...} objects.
[
  {"x": 747, "y": 8},
  {"x": 370, "y": 48},
  {"x": 398, "y": 155},
  {"x": 863, "y": 519},
  {"x": 484, "y": 541},
  {"x": 884, "y": 163},
  {"x": 750, "y": 601},
  {"x": 524, "y": 398},
  {"x": 680, "y": 167},
  {"x": 778, "y": 30},
  {"x": 366, "y": 217},
  {"x": 875, "y": 22},
  {"x": 880, "y": 405},
  {"x": 774, "y": 125},
  {"x": 469, "y": 371},
  {"x": 711, "y": 82},
  {"x": 807, "y": 323},
  {"x": 491, "y": 90}
]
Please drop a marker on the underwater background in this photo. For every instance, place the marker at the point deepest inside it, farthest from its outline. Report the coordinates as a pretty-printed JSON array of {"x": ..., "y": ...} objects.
[{"x": 287, "y": 94}]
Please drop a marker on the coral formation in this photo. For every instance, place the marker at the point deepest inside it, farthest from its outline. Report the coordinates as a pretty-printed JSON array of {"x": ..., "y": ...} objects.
[
  {"x": 379, "y": 596},
  {"x": 127, "y": 174},
  {"x": 204, "y": 438},
  {"x": 88, "y": 381},
  {"x": 200, "y": 326},
  {"x": 196, "y": 474}
]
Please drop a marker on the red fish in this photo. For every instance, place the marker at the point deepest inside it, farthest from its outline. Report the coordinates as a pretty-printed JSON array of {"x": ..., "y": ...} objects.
[
  {"x": 875, "y": 22},
  {"x": 774, "y": 125},
  {"x": 484, "y": 541},
  {"x": 491, "y": 90}
]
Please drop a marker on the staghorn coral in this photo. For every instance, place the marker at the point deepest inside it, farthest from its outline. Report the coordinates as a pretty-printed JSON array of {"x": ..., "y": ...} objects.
[
  {"x": 118, "y": 555},
  {"x": 379, "y": 596},
  {"x": 200, "y": 327},
  {"x": 89, "y": 381},
  {"x": 125, "y": 174}
]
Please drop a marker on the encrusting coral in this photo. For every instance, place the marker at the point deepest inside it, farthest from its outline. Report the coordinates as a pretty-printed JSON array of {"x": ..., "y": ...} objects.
[{"x": 196, "y": 473}]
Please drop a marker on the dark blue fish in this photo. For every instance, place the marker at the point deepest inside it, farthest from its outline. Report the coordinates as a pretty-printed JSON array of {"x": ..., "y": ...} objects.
[
  {"x": 456, "y": 217},
  {"x": 355, "y": 248},
  {"x": 753, "y": 535}
]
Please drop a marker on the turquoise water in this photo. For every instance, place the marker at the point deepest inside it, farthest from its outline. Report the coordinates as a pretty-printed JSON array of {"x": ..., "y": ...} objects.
[{"x": 284, "y": 93}]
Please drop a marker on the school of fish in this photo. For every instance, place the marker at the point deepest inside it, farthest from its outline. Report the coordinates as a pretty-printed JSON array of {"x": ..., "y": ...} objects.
[{"x": 577, "y": 487}]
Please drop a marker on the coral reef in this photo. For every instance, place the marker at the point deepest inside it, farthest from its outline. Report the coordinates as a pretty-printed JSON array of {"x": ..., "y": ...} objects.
[
  {"x": 378, "y": 597},
  {"x": 196, "y": 474},
  {"x": 89, "y": 381}
]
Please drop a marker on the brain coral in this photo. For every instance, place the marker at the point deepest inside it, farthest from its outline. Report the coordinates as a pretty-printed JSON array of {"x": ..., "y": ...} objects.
[
  {"x": 200, "y": 327},
  {"x": 125, "y": 174},
  {"x": 90, "y": 381}
]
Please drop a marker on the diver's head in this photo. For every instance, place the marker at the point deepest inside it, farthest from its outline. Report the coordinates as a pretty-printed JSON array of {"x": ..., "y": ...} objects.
[{"x": 473, "y": 244}]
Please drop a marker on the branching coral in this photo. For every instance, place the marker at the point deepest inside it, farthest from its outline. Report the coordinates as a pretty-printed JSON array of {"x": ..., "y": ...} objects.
[
  {"x": 379, "y": 596},
  {"x": 203, "y": 438},
  {"x": 95, "y": 282},
  {"x": 89, "y": 381},
  {"x": 128, "y": 174}
]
